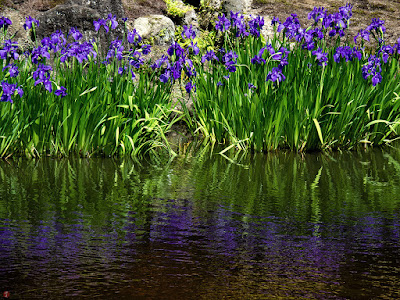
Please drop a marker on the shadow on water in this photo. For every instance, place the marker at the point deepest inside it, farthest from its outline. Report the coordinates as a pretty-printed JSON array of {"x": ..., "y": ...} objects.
[{"x": 268, "y": 226}]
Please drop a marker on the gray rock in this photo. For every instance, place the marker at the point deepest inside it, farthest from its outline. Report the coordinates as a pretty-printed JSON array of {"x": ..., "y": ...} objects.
[
  {"x": 158, "y": 29},
  {"x": 242, "y": 6},
  {"x": 81, "y": 14},
  {"x": 191, "y": 18},
  {"x": 103, "y": 7},
  {"x": 63, "y": 17},
  {"x": 16, "y": 30}
]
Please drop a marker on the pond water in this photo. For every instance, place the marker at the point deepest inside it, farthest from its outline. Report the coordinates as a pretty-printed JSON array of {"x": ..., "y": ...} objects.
[{"x": 273, "y": 226}]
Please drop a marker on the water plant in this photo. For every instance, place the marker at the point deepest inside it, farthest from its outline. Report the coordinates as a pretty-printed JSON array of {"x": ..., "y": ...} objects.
[
  {"x": 76, "y": 101},
  {"x": 303, "y": 89}
]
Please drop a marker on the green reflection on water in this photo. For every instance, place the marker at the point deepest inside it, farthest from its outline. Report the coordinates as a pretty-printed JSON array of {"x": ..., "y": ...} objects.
[{"x": 311, "y": 188}]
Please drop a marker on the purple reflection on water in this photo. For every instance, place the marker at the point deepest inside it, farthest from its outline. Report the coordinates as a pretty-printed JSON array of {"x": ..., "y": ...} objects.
[{"x": 310, "y": 259}]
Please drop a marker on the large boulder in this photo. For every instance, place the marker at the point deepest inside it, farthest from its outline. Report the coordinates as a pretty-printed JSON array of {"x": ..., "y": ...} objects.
[
  {"x": 103, "y": 7},
  {"x": 157, "y": 29},
  {"x": 81, "y": 14},
  {"x": 242, "y": 6},
  {"x": 63, "y": 17}
]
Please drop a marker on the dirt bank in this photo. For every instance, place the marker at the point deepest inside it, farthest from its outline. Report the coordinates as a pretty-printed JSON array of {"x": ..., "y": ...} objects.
[{"x": 363, "y": 12}]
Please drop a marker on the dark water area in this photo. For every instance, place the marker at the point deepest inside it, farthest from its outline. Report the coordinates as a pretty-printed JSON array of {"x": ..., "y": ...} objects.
[{"x": 274, "y": 226}]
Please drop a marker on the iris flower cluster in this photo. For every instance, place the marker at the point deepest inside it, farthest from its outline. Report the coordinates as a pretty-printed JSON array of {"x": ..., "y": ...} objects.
[
  {"x": 238, "y": 24},
  {"x": 42, "y": 75},
  {"x": 12, "y": 70},
  {"x": 178, "y": 62},
  {"x": 9, "y": 50},
  {"x": 9, "y": 90},
  {"x": 347, "y": 53},
  {"x": 373, "y": 69}
]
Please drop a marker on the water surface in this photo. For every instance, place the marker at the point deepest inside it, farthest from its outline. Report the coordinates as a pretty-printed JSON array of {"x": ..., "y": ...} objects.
[{"x": 274, "y": 226}]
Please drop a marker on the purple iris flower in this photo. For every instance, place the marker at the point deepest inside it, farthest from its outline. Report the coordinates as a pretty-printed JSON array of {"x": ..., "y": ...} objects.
[
  {"x": 188, "y": 32},
  {"x": 281, "y": 55},
  {"x": 136, "y": 60},
  {"x": 376, "y": 79},
  {"x": 332, "y": 32},
  {"x": 80, "y": 51},
  {"x": 75, "y": 34},
  {"x": 317, "y": 14},
  {"x": 101, "y": 22},
  {"x": 175, "y": 48},
  {"x": 223, "y": 24},
  {"x": 364, "y": 35},
  {"x": 46, "y": 42},
  {"x": 276, "y": 75},
  {"x": 219, "y": 83},
  {"x": 122, "y": 70},
  {"x": 346, "y": 11},
  {"x": 209, "y": 56},
  {"x": 159, "y": 62},
  {"x": 292, "y": 27},
  {"x": 386, "y": 51},
  {"x": 230, "y": 60},
  {"x": 275, "y": 20},
  {"x": 309, "y": 42},
  {"x": 165, "y": 76},
  {"x": 322, "y": 57},
  {"x": 12, "y": 70},
  {"x": 251, "y": 86},
  {"x": 376, "y": 24},
  {"x": 124, "y": 19},
  {"x": 112, "y": 21},
  {"x": 62, "y": 91},
  {"x": 5, "y": 22},
  {"x": 258, "y": 59},
  {"x": 146, "y": 49},
  {"x": 9, "y": 50},
  {"x": 133, "y": 37},
  {"x": 176, "y": 69},
  {"x": 42, "y": 75},
  {"x": 339, "y": 21},
  {"x": 194, "y": 47},
  {"x": 357, "y": 53},
  {"x": 29, "y": 22},
  {"x": 189, "y": 86},
  {"x": 190, "y": 69},
  {"x": 58, "y": 41}
]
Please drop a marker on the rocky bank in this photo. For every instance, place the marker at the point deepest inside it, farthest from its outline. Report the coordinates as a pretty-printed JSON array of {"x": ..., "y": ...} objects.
[{"x": 156, "y": 20}]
